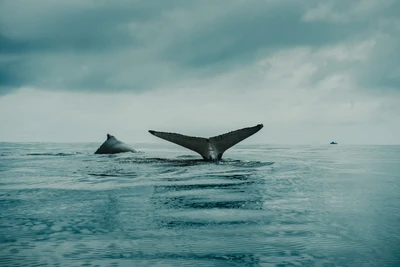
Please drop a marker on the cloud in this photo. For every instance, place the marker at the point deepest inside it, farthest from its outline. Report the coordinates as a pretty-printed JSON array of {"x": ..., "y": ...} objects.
[
  {"x": 136, "y": 46},
  {"x": 306, "y": 68},
  {"x": 286, "y": 91},
  {"x": 342, "y": 11}
]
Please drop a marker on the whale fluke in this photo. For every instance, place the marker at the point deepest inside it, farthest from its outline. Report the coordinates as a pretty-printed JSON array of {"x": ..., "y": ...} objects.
[
  {"x": 209, "y": 148},
  {"x": 112, "y": 146}
]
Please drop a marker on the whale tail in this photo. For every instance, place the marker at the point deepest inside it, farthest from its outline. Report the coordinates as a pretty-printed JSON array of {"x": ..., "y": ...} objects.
[{"x": 209, "y": 148}]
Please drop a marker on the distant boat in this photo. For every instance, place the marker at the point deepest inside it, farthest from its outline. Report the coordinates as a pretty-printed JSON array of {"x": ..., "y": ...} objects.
[{"x": 333, "y": 143}]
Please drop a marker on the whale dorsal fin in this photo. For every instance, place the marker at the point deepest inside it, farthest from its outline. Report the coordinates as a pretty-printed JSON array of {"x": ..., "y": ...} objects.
[{"x": 209, "y": 148}]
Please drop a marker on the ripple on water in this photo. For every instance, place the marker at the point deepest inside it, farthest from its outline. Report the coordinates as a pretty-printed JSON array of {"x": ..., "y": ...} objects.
[{"x": 65, "y": 206}]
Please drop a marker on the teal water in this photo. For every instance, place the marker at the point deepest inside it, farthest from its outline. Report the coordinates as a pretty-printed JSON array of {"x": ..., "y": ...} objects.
[{"x": 264, "y": 205}]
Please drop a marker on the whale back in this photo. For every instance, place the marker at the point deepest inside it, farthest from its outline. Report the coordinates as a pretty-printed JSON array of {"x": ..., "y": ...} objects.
[{"x": 112, "y": 146}]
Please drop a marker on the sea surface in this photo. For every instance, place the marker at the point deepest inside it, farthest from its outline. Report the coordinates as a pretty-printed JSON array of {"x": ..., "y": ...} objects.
[{"x": 262, "y": 205}]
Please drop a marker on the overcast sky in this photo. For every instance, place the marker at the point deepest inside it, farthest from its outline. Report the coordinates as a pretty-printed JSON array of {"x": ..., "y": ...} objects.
[{"x": 311, "y": 71}]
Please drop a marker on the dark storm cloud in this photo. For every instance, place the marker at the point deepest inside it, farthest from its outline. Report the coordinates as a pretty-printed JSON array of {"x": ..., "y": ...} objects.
[
  {"x": 244, "y": 32},
  {"x": 140, "y": 45}
]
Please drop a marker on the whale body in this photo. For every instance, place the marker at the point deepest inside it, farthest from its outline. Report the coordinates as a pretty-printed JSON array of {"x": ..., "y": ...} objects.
[
  {"x": 209, "y": 148},
  {"x": 112, "y": 146}
]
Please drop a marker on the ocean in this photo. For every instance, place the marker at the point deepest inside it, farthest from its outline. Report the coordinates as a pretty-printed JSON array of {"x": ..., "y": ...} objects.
[{"x": 262, "y": 205}]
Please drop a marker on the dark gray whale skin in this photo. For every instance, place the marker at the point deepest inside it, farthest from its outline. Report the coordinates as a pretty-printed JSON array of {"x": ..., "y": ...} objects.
[
  {"x": 112, "y": 146},
  {"x": 211, "y": 148}
]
